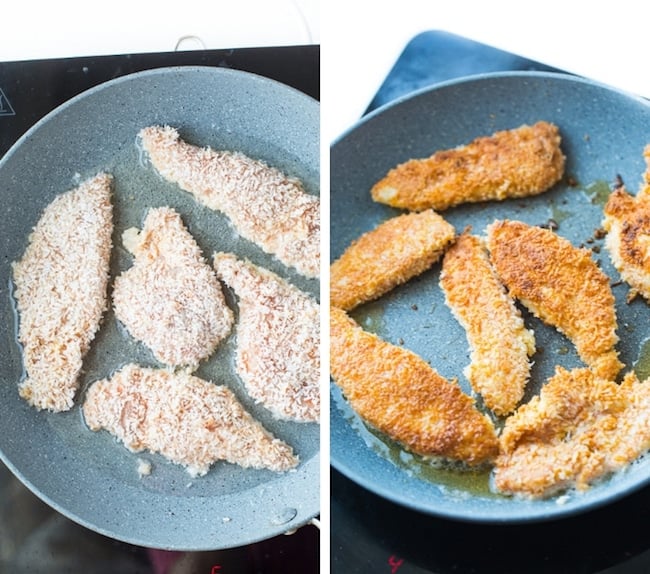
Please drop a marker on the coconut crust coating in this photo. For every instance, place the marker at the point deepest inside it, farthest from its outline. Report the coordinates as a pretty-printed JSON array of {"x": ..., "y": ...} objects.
[
  {"x": 60, "y": 291},
  {"x": 278, "y": 339},
  {"x": 188, "y": 420},
  {"x": 395, "y": 251},
  {"x": 399, "y": 394},
  {"x": 627, "y": 222},
  {"x": 520, "y": 162},
  {"x": 578, "y": 430},
  {"x": 500, "y": 343},
  {"x": 266, "y": 206},
  {"x": 170, "y": 299},
  {"x": 562, "y": 285}
]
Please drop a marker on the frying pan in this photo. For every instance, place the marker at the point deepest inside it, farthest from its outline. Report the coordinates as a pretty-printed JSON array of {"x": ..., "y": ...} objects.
[
  {"x": 90, "y": 477},
  {"x": 603, "y": 133}
]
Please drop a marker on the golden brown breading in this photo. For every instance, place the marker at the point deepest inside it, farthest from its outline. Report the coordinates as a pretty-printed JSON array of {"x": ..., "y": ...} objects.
[
  {"x": 394, "y": 252},
  {"x": 398, "y": 393},
  {"x": 60, "y": 293},
  {"x": 560, "y": 284},
  {"x": 500, "y": 343},
  {"x": 511, "y": 163},
  {"x": 578, "y": 430},
  {"x": 188, "y": 420},
  {"x": 627, "y": 222}
]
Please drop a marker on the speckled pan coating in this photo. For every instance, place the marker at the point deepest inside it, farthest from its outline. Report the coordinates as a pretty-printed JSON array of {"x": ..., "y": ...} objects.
[
  {"x": 603, "y": 133},
  {"x": 89, "y": 476}
]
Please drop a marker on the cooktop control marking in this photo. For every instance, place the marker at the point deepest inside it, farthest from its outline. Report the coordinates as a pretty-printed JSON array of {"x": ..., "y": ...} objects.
[{"x": 5, "y": 106}]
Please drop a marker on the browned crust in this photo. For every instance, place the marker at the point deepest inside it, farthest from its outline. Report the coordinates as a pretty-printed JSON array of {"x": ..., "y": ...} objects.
[
  {"x": 561, "y": 285},
  {"x": 511, "y": 163},
  {"x": 394, "y": 252},
  {"x": 499, "y": 341},
  {"x": 398, "y": 393}
]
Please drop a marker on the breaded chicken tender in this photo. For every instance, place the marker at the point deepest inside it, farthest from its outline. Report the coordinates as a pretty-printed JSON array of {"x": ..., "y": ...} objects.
[
  {"x": 562, "y": 285},
  {"x": 266, "y": 206},
  {"x": 278, "y": 339},
  {"x": 188, "y": 420},
  {"x": 170, "y": 299},
  {"x": 398, "y": 393},
  {"x": 578, "y": 430},
  {"x": 60, "y": 291},
  {"x": 512, "y": 163},
  {"x": 394, "y": 252},
  {"x": 627, "y": 222},
  {"x": 499, "y": 341}
]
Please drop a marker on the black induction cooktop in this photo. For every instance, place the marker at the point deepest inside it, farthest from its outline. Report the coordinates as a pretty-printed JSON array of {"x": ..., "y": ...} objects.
[{"x": 371, "y": 535}]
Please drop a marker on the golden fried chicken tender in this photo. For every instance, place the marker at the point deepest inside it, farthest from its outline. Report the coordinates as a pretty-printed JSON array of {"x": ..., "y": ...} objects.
[
  {"x": 499, "y": 341},
  {"x": 560, "y": 284},
  {"x": 627, "y": 222},
  {"x": 520, "y": 162},
  {"x": 399, "y": 394},
  {"x": 578, "y": 430},
  {"x": 394, "y": 252}
]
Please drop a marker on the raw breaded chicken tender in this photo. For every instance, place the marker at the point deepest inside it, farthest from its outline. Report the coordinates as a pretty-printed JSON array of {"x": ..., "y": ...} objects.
[
  {"x": 512, "y": 163},
  {"x": 499, "y": 341},
  {"x": 395, "y": 251},
  {"x": 562, "y": 285},
  {"x": 398, "y": 393},
  {"x": 266, "y": 206},
  {"x": 627, "y": 222},
  {"x": 578, "y": 430},
  {"x": 60, "y": 291},
  {"x": 278, "y": 339},
  {"x": 170, "y": 299},
  {"x": 188, "y": 420}
]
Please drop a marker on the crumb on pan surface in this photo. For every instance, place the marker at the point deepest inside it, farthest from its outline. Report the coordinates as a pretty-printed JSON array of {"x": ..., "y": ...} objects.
[
  {"x": 61, "y": 291},
  {"x": 170, "y": 298},
  {"x": 519, "y": 162},
  {"x": 188, "y": 420},
  {"x": 265, "y": 206},
  {"x": 578, "y": 430},
  {"x": 499, "y": 341},
  {"x": 398, "y": 393},
  {"x": 562, "y": 285},
  {"x": 278, "y": 339},
  {"x": 394, "y": 252}
]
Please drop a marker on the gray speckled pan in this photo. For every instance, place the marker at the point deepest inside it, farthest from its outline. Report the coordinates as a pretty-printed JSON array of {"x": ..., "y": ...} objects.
[
  {"x": 604, "y": 132},
  {"x": 90, "y": 477}
]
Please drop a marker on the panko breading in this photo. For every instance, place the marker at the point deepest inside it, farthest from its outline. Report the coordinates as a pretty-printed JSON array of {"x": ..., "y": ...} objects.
[
  {"x": 562, "y": 285},
  {"x": 500, "y": 343},
  {"x": 627, "y": 222},
  {"x": 170, "y": 299},
  {"x": 265, "y": 206},
  {"x": 398, "y": 393},
  {"x": 578, "y": 430},
  {"x": 188, "y": 420},
  {"x": 61, "y": 291},
  {"x": 278, "y": 339},
  {"x": 394, "y": 252},
  {"x": 512, "y": 163}
]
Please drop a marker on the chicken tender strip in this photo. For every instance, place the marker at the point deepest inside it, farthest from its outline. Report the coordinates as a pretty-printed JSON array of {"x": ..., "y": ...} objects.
[
  {"x": 562, "y": 285},
  {"x": 627, "y": 222},
  {"x": 578, "y": 430},
  {"x": 512, "y": 163},
  {"x": 398, "y": 393},
  {"x": 394, "y": 252},
  {"x": 265, "y": 206},
  {"x": 61, "y": 291},
  {"x": 278, "y": 339},
  {"x": 170, "y": 299},
  {"x": 190, "y": 421},
  {"x": 500, "y": 343}
]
